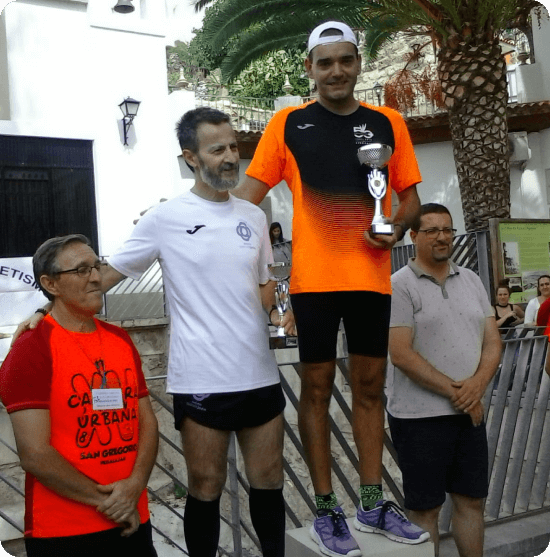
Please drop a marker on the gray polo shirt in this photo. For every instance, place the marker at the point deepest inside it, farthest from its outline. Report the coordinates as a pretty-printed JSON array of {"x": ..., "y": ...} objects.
[{"x": 448, "y": 322}]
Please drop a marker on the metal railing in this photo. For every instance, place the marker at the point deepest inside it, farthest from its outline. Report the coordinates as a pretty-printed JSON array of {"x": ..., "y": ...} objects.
[
  {"x": 253, "y": 114},
  {"x": 137, "y": 299},
  {"x": 247, "y": 113},
  {"x": 518, "y": 422},
  {"x": 465, "y": 252}
]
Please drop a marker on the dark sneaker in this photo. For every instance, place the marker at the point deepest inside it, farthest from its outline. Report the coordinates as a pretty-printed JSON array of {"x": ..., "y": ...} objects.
[
  {"x": 388, "y": 519},
  {"x": 331, "y": 532}
]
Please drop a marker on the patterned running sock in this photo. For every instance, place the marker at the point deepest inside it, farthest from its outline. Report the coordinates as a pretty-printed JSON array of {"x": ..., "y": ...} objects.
[
  {"x": 201, "y": 525},
  {"x": 326, "y": 502},
  {"x": 267, "y": 512},
  {"x": 370, "y": 495}
]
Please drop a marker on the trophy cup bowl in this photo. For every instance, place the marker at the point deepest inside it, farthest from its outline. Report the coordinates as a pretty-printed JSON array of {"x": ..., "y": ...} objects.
[
  {"x": 377, "y": 156},
  {"x": 280, "y": 272}
]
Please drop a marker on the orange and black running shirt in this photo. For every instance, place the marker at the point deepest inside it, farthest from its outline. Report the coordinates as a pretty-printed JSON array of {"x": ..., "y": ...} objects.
[
  {"x": 51, "y": 368},
  {"x": 315, "y": 152}
]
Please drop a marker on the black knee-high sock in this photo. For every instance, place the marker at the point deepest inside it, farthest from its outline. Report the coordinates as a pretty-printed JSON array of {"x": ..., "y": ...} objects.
[
  {"x": 267, "y": 512},
  {"x": 201, "y": 525}
]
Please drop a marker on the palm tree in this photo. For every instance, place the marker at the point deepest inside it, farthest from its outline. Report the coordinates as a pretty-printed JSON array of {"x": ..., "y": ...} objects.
[{"x": 470, "y": 67}]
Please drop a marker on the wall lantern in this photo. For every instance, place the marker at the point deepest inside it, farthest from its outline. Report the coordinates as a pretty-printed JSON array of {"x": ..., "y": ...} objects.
[
  {"x": 129, "y": 109},
  {"x": 124, "y": 7},
  {"x": 377, "y": 88}
]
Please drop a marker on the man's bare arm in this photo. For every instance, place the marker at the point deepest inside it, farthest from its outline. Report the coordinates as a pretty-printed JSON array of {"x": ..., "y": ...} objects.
[
  {"x": 110, "y": 277},
  {"x": 414, "y": 366},
  {"x": 32, "y": 435},
  {"x": 124, "y": 495},
  {"x": 252, "y": 190},
  {"x": 470, "y": 391},
  {"x": 408, "y": 208}
]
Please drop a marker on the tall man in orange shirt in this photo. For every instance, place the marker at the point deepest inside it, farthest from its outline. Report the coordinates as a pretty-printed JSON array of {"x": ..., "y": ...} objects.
[{"x": 340, "y": 270}]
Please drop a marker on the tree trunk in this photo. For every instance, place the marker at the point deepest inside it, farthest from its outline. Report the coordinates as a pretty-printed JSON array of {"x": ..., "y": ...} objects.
[{"x": 473, "y": 81}]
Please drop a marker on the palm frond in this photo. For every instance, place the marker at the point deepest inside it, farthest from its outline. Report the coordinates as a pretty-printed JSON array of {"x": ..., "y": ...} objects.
[
  {"x": 377, "y": 33},
  {"x": 200, "y": 4},
  {"x": 237, "y": 15}
]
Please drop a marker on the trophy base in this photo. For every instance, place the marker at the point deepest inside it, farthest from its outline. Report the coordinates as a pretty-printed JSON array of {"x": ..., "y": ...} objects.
[
  {"x": 276, "y": 343},
  {"x": 382, "y": 228}
]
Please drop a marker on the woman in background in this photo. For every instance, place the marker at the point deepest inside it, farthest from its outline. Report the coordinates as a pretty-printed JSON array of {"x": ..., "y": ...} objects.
[
  {"x": 506, "y": 314},
  {"x": 282, "y": 249},
  {"x": 543, "y": 294}
]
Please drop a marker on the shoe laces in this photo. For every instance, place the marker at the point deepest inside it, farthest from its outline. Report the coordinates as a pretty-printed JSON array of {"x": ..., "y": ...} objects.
[
  {"x": 390, "y": 506},
  {"x": 338, "y": 520}
]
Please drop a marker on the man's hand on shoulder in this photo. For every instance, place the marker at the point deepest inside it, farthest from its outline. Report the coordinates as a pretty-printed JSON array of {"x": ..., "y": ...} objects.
[
  {"x": 122, "y": 499},
  {"x": 29, "y": 323}
]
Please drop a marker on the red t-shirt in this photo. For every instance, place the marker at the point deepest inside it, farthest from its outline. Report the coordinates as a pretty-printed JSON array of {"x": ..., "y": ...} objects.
[
  {"x": 52, "y": 368},
  {"x": 543, "y": 317}
]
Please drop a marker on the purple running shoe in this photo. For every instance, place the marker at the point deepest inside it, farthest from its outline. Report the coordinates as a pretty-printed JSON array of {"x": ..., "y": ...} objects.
[
  {"x": 330, "y": 530},
  {"x": 388, "y": 519}
]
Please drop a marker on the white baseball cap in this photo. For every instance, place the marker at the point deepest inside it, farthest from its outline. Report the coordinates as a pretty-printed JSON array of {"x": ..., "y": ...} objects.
[{"x": 346, "y": 35}]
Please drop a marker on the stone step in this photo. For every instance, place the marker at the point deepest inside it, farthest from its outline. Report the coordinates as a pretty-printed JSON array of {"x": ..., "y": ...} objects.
[{"x": 300, "y": 544}]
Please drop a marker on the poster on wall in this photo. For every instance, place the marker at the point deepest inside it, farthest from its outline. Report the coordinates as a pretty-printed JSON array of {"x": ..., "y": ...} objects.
[
  {"x": 19, "y": 297},
  {"x": 521, "y": 254}
]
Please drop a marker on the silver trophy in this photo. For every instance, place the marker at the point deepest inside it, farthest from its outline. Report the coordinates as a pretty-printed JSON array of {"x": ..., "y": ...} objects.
[
  {"x": 280, "y": 271},
  {"x": 377, "y": 156}
]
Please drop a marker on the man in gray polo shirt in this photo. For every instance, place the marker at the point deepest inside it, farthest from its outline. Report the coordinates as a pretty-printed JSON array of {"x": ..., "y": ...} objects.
[{"x": 444, "y": 348}]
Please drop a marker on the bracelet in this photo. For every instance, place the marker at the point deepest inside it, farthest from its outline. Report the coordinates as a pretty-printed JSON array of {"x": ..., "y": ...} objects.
[
  {"x": 42, "y": 311},
  {"x": 271, "y": 311}
]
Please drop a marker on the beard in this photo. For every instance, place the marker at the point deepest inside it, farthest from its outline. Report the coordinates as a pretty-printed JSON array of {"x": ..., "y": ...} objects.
[
  {"x": 215, "y": 181},
  {"x": 442, "y": 256}
]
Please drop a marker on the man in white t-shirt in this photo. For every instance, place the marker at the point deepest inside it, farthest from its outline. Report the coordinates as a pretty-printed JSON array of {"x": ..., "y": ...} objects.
[
  {"x": 214, "y": 249},
  {"x": 445, "y": 348}
]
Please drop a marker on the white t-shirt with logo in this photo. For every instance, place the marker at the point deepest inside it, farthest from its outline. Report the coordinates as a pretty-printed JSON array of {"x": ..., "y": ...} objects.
[{"x": 213, "y": 257}]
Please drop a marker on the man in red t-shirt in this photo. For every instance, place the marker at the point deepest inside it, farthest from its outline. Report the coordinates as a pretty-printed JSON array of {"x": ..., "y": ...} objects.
[{"x": 85, "y": 430}]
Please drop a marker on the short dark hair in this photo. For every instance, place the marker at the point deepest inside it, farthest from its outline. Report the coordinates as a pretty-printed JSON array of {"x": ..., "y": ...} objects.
[
  {"x": 186, "y": 128},
  {"x": 44, "y": 261},
  {"x": 425, "y": 210}
]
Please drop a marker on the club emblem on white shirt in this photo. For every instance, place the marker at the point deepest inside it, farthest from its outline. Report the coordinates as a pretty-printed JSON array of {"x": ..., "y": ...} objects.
[{"x": 243, "y": 231}]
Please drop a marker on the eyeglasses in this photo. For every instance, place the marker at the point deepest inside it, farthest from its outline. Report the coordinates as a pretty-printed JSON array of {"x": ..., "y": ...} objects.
[
  {"x": 85, "y": 270},
  {"x": 432, "y": 233}
]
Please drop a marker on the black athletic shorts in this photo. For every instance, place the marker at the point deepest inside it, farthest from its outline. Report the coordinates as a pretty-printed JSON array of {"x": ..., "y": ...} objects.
[
  {"x": 366, "y": 317},
  {"x": 108, "y": 543},
  {"x": 444, "y": 454},
  {"x": 230, "y": 411}
]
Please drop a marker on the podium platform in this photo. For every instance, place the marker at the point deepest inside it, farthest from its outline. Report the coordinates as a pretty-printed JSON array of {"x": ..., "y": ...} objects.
[{"x": 300, "y": 544}]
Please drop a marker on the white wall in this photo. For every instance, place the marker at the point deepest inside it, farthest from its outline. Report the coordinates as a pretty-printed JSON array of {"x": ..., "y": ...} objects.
[
  {"x": 439, "y": 180},
  {"x": 69, "y": 69},
  {"x": 533, "y": 80},
  {"x": 528, "y": 194}
]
